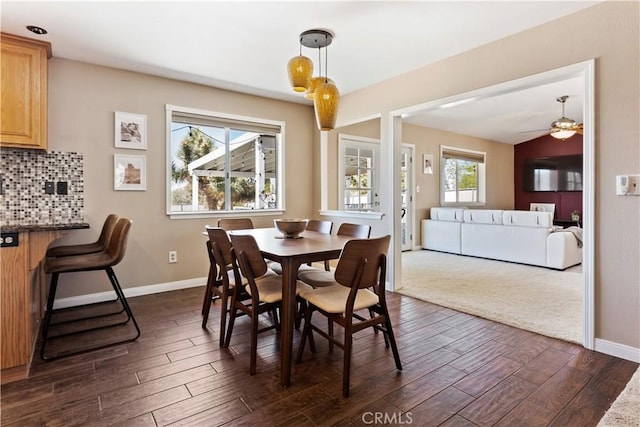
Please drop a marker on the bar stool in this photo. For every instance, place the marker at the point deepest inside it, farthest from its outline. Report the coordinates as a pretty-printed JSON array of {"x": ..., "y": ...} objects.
[
  {"x": 106, "y": 259},
  {"x": 87, "y": 248}
]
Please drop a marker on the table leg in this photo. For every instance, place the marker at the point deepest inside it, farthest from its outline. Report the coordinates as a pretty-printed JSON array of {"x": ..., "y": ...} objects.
[{"x": 289, "y": 310}]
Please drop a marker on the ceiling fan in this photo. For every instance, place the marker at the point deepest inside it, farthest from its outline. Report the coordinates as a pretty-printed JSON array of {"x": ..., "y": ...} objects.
[{"x": 563, "y": 128}]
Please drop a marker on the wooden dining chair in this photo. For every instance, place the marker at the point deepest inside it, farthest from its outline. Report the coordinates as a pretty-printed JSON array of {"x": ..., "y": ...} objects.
[
  {"x": 318, "y": 226},
  {"x": 265, "y": 291},
  {"x": 221, "y": 279},
  {"x": 317, "y": 277},
  {"x": 359, "y": 285},
  {"x": 235, "y": 223}
]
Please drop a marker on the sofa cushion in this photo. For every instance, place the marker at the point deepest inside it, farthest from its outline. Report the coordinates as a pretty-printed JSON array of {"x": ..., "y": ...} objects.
[
  {"x": 528, "y": 218},
  {"x": 483, "y": 216},
  {"x": 447, "y": 214}
]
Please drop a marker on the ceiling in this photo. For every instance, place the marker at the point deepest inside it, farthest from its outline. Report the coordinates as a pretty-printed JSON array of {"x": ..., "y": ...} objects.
[{"x": 245, "y": 46}]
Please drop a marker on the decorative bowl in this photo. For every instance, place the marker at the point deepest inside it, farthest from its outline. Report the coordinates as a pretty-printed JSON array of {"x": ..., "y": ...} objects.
[{"x": 290, "y": 227}]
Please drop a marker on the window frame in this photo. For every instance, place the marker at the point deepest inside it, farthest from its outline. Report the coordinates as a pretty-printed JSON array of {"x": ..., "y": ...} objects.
[
  {"x": 480, "y": 157},
  {"x": 351, "y": 141},
  {"x": 242, "y": 121}
]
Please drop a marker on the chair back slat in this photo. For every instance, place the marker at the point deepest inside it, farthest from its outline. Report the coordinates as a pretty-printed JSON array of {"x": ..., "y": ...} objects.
[
  {"x": 247, "y": 244},
  {"x": 220, "y": 237},
  {"x": 355, "y": 252},
  {"x": 319, "y": 226},
  {"x": 235, "y": 223},
  {"x": 358, "y": 231}
]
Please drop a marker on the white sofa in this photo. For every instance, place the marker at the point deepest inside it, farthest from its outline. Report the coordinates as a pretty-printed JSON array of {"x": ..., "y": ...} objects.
[{"x": 518, "y": 236}]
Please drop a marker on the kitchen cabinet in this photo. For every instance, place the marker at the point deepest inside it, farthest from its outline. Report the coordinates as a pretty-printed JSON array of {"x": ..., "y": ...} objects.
[
  {"x": 22, "y": 293},
  {"x": 23, "y": 92}
]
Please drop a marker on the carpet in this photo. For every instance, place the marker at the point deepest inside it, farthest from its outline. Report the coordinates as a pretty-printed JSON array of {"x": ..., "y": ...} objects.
[
  {"x": 625, "y": 410},
  {"x": 537, "y": 299}
]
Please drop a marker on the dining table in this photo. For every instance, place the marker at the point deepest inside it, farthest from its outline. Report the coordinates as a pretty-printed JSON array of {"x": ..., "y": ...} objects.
[{"x": 309, "y": 246}]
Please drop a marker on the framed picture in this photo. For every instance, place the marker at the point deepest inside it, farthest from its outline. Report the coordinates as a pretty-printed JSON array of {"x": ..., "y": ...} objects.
[
  {"x": 131, "y": 131},
  {"x": 129, "y": 172},
  {"x": 427, "y": 164}
]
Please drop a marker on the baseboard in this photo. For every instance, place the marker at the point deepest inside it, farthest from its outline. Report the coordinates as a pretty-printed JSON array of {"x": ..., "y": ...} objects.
[
  {"x": 129, "y": 292},
  {"x": 618, "y": 350}
]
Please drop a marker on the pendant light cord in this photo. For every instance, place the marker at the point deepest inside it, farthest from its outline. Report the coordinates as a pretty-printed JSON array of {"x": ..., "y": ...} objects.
[{"x": 326, "y": 60}]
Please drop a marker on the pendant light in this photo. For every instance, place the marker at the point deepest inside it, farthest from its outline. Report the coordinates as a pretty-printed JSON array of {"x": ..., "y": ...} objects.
[
  {"x": 316, "y": 81},
  {"x": 300, "y": 69},
  {"x": 325, "y": 102},
  {"x": 321, "y": 88},
  {"x": 563, "y": 128}
]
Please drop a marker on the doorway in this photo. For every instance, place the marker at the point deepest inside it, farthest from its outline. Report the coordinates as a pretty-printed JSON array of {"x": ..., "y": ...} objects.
[{"x": 587, "y": 71}]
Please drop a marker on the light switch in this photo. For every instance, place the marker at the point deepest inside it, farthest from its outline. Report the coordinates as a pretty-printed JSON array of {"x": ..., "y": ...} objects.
[{"x": 628, "y": 185}]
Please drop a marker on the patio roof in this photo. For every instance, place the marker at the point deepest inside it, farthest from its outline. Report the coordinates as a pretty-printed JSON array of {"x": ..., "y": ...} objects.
[{"x": 243, "y": 154}]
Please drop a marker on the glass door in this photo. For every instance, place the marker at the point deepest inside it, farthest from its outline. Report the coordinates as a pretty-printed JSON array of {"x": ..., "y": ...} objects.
[{"x": 406, "y": 193}]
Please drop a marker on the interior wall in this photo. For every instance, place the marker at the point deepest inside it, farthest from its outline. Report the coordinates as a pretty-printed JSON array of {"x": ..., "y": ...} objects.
[
  {"x": 546, "y": 146},
  {"x": 608, "y": 32},
  {"x": 499, "y": 175},
  {"x": 82, "y": 102}
]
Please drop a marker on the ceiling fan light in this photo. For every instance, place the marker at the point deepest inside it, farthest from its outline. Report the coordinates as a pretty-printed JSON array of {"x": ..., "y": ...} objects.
[
  {"x": 325, "y": 103},
  {"x": 561, "y": 133},
  {"x": 300, "y": 69}
]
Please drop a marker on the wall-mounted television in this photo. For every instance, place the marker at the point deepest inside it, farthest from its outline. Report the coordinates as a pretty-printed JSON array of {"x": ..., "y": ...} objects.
[{"x": 557, "y": 173}]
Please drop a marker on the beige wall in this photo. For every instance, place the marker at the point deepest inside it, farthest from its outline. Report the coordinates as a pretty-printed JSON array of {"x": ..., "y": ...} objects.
[
  {"x": 608, "y": 33},
  {"x": 499, "y": 167},
  {"x": 82, "y": 101}
]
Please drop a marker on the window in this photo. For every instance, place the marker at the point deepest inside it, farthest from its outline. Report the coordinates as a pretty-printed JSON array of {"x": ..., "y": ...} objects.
[
  {"x": 220, "y": 163},
  {"x": 358, "y": 172},
  {"x": 462, "y": 177}
]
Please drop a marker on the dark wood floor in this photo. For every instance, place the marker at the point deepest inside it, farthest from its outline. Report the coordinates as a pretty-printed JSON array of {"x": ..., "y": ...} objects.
[{"x": 459, "y": 370}]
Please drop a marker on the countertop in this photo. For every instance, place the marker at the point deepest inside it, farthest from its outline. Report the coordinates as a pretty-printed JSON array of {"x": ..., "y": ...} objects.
[{"x": 42, "y": 227}]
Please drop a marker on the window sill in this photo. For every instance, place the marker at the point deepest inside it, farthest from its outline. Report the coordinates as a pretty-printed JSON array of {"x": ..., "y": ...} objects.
[
  {"x": 225, "y": 214},
  {"x": 352, "y": 214}
]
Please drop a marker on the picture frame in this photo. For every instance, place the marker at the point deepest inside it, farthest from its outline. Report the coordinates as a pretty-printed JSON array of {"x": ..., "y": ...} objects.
[
  {"x": 427, "y": 164},
  {"x": 130, "y": 131},
  {"x": 129, "y": 172}
]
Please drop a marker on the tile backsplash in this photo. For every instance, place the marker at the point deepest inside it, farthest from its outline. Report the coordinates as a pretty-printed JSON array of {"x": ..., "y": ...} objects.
[{"x": 23, "y": 174}]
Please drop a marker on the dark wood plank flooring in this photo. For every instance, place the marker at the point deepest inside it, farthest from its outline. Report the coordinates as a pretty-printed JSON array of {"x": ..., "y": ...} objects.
[{"x": 459, "y": 370}]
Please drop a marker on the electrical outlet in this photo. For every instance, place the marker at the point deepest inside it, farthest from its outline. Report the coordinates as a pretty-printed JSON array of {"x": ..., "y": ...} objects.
[
  {"x": 62, "y": 187},
  {"x": 173, "y": 257}
]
